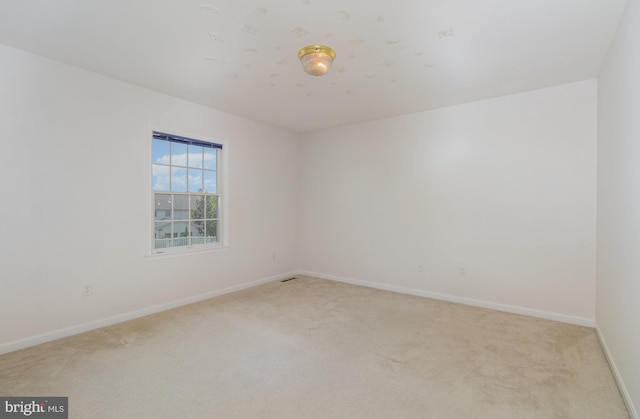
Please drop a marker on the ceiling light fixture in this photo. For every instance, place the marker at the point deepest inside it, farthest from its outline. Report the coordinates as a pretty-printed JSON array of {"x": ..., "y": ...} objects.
[{"x": 316, "y": 59}]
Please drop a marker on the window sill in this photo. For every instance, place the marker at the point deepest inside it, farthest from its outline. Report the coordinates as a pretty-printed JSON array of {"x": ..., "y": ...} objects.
[{"x": 186, "y": 251}]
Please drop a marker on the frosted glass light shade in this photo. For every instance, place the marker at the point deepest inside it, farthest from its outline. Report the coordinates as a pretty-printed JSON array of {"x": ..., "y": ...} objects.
[{"x": 316, "y": 59}]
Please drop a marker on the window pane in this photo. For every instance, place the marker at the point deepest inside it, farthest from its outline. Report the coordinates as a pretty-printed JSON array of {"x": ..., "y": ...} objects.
[
  {"x": 210, "y": 182},
  {"x": 161, "y": 178},
  {"x": 180, "y": 207},
  {"x": 178, "y": 154},
  {"x": 197, "y": 229},
  {"x": 211, "y": 158},
  {"x": 197, "y": 207},
  {"x": 163, "y": 230},
  {"x": 195, "y": 180},
  {"x": 161, "y": 152},
  {"x": 162, "y": 207},
  {"x": 162, "y": 235},
  {"x": 212, "y": 231},
  {"x": 178, "y": 179},
  {"x": 212, "y": 207},
  {"x": 180, "y": 229},
  {"x": 195, "y": 156}
]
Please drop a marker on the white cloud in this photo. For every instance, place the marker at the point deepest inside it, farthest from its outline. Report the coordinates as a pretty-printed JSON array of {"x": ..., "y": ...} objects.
[
  {"x": 161, "y": 178},
  {"x": 162, "y": 175}
]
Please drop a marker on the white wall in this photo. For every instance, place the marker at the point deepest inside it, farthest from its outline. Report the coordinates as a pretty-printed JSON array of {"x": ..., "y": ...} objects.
[
  {"x": 502, "y": 188},
  {"x": 74, "y": 200},
  {"x": 618, "y": 255}
]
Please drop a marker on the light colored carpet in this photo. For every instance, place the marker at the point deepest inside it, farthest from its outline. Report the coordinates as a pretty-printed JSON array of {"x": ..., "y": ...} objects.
[{"x": 314, "y": 348}]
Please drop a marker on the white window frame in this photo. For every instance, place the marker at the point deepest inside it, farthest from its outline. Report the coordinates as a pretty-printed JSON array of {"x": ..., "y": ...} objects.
[{"x": 222, "y": 192}]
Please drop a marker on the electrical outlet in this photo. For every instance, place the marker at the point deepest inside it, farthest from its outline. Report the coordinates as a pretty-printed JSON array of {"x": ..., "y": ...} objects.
[
  {"x": 421, "y": 267},
  {"x": 87, "y": 290},
  {"x": 463, "y": 273},
  {"x": 273, "y": 256}
]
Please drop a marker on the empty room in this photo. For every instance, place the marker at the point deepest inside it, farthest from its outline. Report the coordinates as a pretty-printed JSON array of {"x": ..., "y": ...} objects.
[{"x": 306, "y": 208}]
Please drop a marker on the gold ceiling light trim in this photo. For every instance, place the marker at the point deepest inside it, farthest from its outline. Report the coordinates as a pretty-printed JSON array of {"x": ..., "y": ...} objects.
[{"x": 316, "y": 59}]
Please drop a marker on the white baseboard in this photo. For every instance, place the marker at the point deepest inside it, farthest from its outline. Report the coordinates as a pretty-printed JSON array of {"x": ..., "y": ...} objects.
[
  {"x": 461, "y": 300},
  {"x": 85, "y": 327},
  {"x": 616, "y": 375}
]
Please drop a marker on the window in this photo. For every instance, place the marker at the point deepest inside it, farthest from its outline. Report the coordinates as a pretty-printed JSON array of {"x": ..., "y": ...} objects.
[{"x": 186, "y": 195}]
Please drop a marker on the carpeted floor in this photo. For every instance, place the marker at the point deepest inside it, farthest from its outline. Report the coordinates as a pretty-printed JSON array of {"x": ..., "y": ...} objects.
[{"x": 312, "y": 348}]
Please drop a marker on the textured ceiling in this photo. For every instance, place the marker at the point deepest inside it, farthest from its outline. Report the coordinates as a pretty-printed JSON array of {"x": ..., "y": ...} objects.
[{"x": 393, "y": 57}]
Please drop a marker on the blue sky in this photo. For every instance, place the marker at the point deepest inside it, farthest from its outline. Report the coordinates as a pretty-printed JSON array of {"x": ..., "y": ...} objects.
[{"x": 196, "y": 169}]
